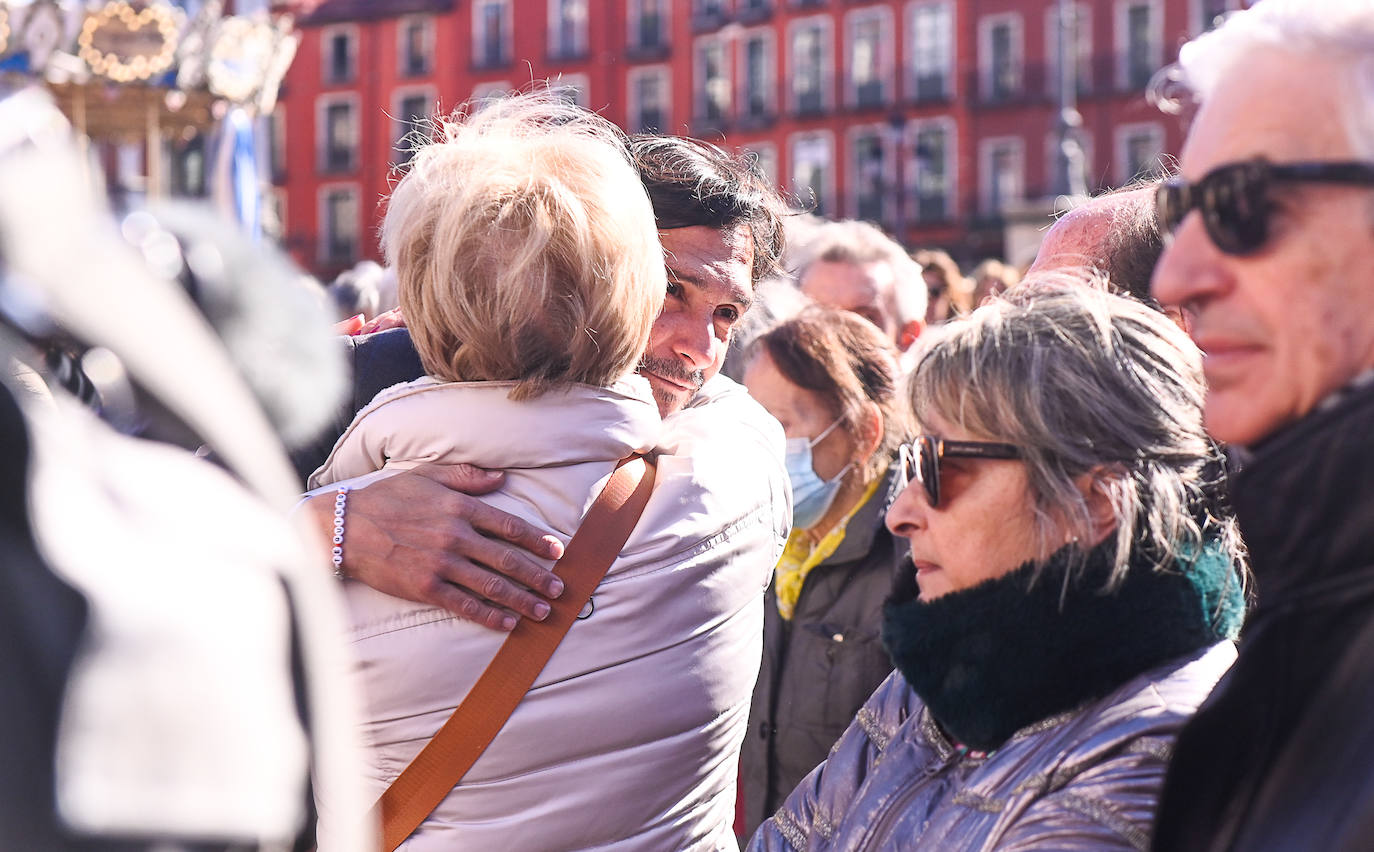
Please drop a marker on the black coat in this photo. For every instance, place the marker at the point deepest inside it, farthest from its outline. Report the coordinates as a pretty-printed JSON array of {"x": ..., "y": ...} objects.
[
  {"x": 1281, "y": 757},
  {"x": 821, "y": 666},
  {"x": 377, "y": 361}
]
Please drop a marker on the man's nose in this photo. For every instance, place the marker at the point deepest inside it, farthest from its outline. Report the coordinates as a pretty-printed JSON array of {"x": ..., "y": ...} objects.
[
  {"x": 695, "y": 341},
  {"x": 1191, "y": 270}
]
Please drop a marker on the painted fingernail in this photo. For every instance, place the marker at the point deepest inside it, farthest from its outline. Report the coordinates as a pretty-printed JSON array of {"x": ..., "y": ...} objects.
[
  {"x": 555, "y": 587},
  {"x": 541, "y": 611}
]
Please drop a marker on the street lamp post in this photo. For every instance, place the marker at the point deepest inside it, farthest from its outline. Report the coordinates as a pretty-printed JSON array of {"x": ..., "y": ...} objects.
[{"x": 1069, "y": 177}]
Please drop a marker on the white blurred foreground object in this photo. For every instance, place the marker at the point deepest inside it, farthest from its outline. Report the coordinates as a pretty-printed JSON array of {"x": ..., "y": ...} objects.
[{"x": 209, "y": 611}]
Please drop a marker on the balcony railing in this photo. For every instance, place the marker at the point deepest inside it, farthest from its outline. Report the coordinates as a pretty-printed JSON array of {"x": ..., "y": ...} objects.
[
  {"x": 705, "y": 20},
  {"x": 337, "y": 159},
  {"x": 1039, "y": 82},
  {"x": 753, "y": 11}
]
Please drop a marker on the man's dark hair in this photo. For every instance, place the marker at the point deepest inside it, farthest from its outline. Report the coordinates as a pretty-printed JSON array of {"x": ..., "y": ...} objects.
[
  {"x": 693, "y": 183},
  {"x": 1134, "y": 242}
]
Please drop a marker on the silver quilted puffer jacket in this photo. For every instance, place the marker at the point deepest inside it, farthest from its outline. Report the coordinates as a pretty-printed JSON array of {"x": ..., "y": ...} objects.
[{"x": 1088, "y": 779}]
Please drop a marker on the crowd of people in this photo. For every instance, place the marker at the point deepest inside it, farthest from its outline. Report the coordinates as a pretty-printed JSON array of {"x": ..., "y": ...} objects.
[{"x": 1070, "y": 558}]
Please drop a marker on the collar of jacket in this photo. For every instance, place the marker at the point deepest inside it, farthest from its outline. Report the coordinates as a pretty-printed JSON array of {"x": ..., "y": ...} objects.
[
  {"x": 1304, "y": 500},
  {"x": 994, "y": 658},
  {"x": 866, "y": 523}
]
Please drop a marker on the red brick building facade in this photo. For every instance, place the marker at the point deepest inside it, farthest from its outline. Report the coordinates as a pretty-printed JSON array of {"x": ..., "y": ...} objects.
[{"x": 936, "y": 118}]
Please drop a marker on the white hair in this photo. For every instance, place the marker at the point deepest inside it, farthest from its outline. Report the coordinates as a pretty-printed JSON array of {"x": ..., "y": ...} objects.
[{"x": 1326, "y": 28}]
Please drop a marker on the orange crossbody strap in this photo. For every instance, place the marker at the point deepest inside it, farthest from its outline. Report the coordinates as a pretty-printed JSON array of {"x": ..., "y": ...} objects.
[{"x": 438, "y": 768}]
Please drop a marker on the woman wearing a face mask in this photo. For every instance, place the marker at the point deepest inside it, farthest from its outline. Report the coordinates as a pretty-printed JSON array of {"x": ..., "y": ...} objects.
[{"x": 831, "y": 379}]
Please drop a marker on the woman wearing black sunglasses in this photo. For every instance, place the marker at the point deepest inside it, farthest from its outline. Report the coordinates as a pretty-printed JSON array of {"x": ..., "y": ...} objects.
[{"x": 1070, "y": 598}]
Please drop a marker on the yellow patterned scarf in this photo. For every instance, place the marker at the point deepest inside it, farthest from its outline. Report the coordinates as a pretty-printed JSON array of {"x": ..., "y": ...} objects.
[{"x": 799, "y": 556}]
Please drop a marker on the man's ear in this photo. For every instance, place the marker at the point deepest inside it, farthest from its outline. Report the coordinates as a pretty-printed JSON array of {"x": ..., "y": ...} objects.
[
  {"x": 908, "y": 333},
  {"x": 1095, "y": 488}
]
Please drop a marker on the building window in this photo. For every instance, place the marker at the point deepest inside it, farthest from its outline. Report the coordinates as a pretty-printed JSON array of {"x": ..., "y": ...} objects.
[
  {"x": 932, "y": 170},
  {"x": 757, "y": 64},
  {"x": 339, "y": 46},
  {"x": 1082, "y": 50},
  {"x": 869, "y": 44},
  {"x": 930, "y": 50},
  {"x": 1053, "y": 165},
  {"x": 410, "y": 114},
  {"x": 1139, "y": 148},
  {"x": 708, "y": 13},
  {"x": 1002, "y": 169},
  {"x": 274, "y": 215},
  {"x": 273, "y": 142},
  {"x": 648, "y": 25},
  {"x": 649, "y": 87},
  {"x": 338, "y": 133},
  {"x": 870, "y": 173},
  {"x": 417, "y": 46},
  {"x": 1000, "y": 56},
  {"x": 1206, "y": 14},
  {"x": 1138, "y": 39},
  {"x": 486, "y": 93},
  {"x": 754, "y": 10},
  {"x": 711, "y": 83},
  {"x": 339, "y": 225},
  {"x": 765, "y": 156},
  {"x": 813, "y": 180},
  {"x": 575, "y": 89},
  {"x": 567, "y": 28},
  {"x": 491, "y": 33},
  {"x": 810, "y": 61}
]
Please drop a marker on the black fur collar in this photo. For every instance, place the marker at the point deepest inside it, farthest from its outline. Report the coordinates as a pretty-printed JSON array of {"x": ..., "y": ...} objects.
[{"x": 994, "y": 658}]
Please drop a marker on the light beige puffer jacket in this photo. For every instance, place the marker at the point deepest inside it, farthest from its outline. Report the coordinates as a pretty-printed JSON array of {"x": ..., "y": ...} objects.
[{"x": 629, "y": 738}]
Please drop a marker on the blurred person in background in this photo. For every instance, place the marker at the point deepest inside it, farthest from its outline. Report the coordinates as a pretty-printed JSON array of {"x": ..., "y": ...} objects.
[
  {"x": 992, "y": 277},
  {"x": 1115, "y": 233},
  {"x": 532, "y": 278},
  {"x": 949, "y": 292},
  {"x": 357, "y": 292},
  {"x": 856, "y": 267},
  {"x": 831, "y": 380},
  {"x": 776, "y": 300},
  {"x": 1069, "y": 600}
]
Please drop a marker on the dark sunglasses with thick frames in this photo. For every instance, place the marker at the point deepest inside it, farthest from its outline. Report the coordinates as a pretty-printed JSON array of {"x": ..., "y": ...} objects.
[
  {"x": 1235, "y": 199},
  {"x": 921, "y": 457}
]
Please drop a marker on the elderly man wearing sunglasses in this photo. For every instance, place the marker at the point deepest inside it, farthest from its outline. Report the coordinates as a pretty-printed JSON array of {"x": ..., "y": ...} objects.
[{"x": 1272, "y": 259}]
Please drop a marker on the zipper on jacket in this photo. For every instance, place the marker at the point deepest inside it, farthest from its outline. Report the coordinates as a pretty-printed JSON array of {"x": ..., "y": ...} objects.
[{"x": 895, "y": 806}]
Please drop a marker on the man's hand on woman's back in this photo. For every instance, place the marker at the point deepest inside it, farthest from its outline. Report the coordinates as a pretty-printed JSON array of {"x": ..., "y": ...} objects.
[{"x": 420, "y": 535}]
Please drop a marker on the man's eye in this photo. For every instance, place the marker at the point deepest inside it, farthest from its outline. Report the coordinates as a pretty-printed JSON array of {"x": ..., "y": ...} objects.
[{"x": 728, "y": 313}]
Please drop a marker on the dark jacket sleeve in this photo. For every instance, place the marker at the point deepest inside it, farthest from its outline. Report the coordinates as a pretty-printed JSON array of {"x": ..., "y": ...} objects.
[{"x": 377, "y": 361}]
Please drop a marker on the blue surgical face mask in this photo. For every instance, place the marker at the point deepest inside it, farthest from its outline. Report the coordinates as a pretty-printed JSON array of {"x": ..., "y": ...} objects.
[{"x": 811, "y": 495}]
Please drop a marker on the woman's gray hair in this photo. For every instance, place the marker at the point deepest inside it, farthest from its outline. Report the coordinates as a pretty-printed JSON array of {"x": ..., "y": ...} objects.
[
  {"x": 1343, "y": 28},
  {"x": 1084, "y": 382}
]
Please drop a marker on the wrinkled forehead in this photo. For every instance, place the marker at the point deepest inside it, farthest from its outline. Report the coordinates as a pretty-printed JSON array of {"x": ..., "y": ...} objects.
[{"x": 717, "y": 260}]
